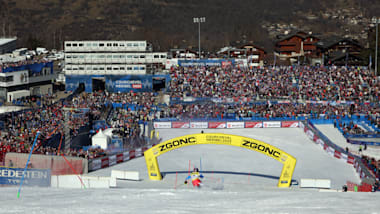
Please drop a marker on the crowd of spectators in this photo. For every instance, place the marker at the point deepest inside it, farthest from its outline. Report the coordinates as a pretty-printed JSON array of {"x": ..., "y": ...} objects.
[
  {"x": 21, "y": 127},
  {"x": 291, "y": 83},
  {"x": 4, "y": 65},
  {"x": 295, "y": 85},
  {"x": 372, "y": 164}
]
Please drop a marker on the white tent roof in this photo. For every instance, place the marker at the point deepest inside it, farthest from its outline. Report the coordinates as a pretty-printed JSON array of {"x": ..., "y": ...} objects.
[
  {"x": 100, "y": 134},
  {"x": 108, "y": 132}
]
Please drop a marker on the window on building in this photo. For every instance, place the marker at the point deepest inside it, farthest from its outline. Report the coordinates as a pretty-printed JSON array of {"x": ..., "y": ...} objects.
[
  {"x": 156, "y": 56},
  {"x": 101, "y": 68},
  {"x": 163, "y": 56},
  {"x": 109, "y": 45},
  {"x": 109, "y": 57},
  {"x": 95, "y": 68},
  {"x": 142, "y": 56},
  {"x": 129, "y": 44},
  {"x": 121, "y": 44},
  {"x": 109, "y": 68},
  {"x": 68, "y": 44},
  {"x": 115, "y": 44},
  {"x": 81, "y": 68},
  {"x": 142, "y": 44},
  {"x": 80, "y": 44},
  {"x": 129, "y": 68},
  {"x": 75, "y": 45},
  {"x": 94, "y": 44},
  {"x": 122, "y": 68},
  {"x": 101, "y": 44},
  {"x": 142, "y": 68},
  {"x": 135, "y": 44},
  {"x": 115, "y": 68}
]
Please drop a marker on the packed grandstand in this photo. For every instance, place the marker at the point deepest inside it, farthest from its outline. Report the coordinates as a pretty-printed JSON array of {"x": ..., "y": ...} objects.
[{"x": 348, "y": 96}]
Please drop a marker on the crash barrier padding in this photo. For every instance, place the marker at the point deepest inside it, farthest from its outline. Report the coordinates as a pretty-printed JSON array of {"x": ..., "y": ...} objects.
[
  {"x": 125, "y": 175},
  {"x": 315, "y": 135},
  {"x": 107, "y": 161},
  {"x": 315, "y": 183},
  {"x": 56, "y": 164},
  {"x": 72, "y": 181},
  {"x": 288, "y": 161},
  {"x": 353, "y": 187}
]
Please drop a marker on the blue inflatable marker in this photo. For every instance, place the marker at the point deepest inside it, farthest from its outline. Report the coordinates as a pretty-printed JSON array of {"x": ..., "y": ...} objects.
[{"x": 26, "y": 165}]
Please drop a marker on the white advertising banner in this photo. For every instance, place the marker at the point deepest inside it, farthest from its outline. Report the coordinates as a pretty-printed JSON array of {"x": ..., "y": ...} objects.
[
  {"x": 199, "y": 125},
  {"x": 272, "y": 124},
  {"x": 235, "y": 125},
  {"x": 162, "y": 125}
]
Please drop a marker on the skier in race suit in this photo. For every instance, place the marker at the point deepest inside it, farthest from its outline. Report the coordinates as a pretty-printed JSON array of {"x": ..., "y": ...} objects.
[{"x": 195, "y": 177}]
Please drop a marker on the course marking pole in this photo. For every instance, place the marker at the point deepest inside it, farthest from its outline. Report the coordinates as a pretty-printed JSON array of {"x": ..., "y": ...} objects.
[
  {"x": 72, "y": 168},
  {"x": 175, "y": 184},
  {"x": 26, "y": 165}
]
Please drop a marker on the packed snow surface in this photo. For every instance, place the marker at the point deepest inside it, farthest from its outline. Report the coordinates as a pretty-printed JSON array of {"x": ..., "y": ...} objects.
[{"x": 236, "y": 180}]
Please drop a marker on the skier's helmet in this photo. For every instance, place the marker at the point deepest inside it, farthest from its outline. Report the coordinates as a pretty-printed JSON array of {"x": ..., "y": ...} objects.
[{"x": 196, "y": 170}]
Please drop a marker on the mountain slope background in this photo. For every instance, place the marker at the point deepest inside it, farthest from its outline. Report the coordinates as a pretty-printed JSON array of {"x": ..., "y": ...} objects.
[{"x": 169, "y": 23}]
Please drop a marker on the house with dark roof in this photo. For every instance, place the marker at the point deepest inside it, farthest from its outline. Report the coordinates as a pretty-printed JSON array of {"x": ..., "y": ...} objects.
[
  {"x": 244, "y": 50},
  {"x": 340, "y": 51},
  {"x": 296, "y": 45}
]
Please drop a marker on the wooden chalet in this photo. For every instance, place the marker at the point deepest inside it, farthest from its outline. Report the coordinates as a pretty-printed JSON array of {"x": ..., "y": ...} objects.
[{"x": 296, "y": 44}]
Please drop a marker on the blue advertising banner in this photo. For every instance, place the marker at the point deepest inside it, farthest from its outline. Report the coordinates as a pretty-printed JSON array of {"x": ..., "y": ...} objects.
[
  {"x": 33, "y": 68},
  {"x": 122, "y": 83},
  {"x": 116, "y": 83},
  {"x": 205, "y": 62},
  {"x": 33, "y": 177}
]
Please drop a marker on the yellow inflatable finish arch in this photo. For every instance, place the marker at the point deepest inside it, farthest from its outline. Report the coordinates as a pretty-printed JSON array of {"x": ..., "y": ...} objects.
[{"x": 288, "y": 161}]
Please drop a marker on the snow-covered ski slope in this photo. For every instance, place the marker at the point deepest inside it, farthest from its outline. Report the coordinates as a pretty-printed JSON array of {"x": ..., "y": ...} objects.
[
  {"x": 336, "y": 137},
  {"x": 249, "y": 186},
  {"x": 240, "y": 167}
]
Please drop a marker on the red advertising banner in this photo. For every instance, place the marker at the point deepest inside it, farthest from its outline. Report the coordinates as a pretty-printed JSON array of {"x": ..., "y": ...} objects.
[
  {"x": 253, "y": 124},
  {"x": 132, "y": 154},
  {"x": 180, "y": 125},
  {"x": 105, "y": 163},
  {"x": 217, "y": 125},
  {"x": 289, "y": 124},
  {"x": 119, "y": 158}
]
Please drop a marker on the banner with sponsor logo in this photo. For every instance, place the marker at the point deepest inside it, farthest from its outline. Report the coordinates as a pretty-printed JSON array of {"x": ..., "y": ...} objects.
[
  {"x": 272, "y": 124},
  {"x": 199, "y": 125},
  {"x": 287, "y": 160},
  {"x": 162, "y": 125},
  {"x": 253, "y": 124},
  {"x": 180, "y": 125},
  {"x": 112, "y": 160},
  {"x": 205, "y": 62},
  {"x": 289, "y": 124},
  {"x": 33, "y": 177},
  {"x": 217, "y": 125},
  {"x": 235, "y": 125}
]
